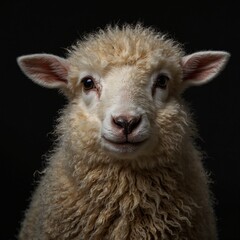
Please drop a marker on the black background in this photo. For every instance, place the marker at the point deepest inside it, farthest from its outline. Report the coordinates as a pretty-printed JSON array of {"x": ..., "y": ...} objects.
[{"x": 28, "y": 112}]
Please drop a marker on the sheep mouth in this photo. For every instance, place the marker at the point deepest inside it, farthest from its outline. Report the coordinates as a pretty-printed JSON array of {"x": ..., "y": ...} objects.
[
  {"x": 125, "y": 146},
  {"x": 125, "y": 142}
]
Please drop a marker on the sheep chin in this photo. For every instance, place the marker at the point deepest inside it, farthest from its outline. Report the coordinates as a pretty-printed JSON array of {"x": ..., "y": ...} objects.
[{"x": 123, "y": 150}]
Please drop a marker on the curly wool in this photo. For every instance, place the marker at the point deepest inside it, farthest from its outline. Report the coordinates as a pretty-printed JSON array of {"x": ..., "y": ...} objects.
[
  {"x": 114, "y": 202},
  {"x": 118, "y": 46},
  {"x": 119, "y": 198}
]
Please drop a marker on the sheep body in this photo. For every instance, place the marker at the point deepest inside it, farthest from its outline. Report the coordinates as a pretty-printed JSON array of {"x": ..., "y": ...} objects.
[{"x": 92, "y": 191}]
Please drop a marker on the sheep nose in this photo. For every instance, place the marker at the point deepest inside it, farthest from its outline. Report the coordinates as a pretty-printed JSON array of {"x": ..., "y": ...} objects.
[{"x": 127, "y": 123}]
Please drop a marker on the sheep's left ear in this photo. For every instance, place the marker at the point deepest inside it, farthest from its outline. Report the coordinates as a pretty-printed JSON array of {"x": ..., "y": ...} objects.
[
  {"x": 46, "y": 70},
  {"x": 201, "y": 67}
]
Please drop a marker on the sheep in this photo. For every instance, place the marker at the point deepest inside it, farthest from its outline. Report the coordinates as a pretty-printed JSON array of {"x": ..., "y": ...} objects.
[{"x": 125, "y": 163}]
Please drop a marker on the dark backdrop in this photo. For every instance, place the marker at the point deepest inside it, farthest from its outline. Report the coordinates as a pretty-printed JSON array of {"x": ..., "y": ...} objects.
[{"x": 28, "y": 112}]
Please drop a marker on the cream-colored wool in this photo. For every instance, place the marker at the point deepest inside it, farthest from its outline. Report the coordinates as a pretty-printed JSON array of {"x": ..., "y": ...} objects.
[{"x": 98, "y": 186}]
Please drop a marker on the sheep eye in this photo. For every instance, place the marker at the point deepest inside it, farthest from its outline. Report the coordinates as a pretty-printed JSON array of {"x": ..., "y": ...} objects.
[
  {"x": 161, "y": 81},
  {"x": 88, "y": 83}
]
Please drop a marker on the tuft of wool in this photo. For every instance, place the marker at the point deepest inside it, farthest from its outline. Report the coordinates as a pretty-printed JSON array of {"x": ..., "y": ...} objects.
[{"x": 118, "y": 46}]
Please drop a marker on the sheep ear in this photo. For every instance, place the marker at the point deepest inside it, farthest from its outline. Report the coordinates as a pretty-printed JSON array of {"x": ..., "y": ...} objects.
[
  {"x": 201, "y": 67},
  {"x": 45, "y": 69}
]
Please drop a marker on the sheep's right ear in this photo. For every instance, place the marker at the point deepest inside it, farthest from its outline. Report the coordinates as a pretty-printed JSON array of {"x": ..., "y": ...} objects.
[{"x": 45, "y": 69}]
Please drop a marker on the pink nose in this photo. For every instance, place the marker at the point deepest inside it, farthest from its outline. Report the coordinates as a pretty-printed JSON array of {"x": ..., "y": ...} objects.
[{"x": 127, "y": 123}]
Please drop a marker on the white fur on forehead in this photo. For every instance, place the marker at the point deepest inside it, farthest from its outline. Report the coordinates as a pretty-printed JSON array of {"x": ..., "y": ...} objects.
[{"x": 124, "y": 45}]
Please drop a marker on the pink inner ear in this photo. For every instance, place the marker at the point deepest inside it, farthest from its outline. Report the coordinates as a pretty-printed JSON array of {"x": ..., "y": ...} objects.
[
  {"x": 47, "y": 69},
  {"x": 202, "y": 67}
]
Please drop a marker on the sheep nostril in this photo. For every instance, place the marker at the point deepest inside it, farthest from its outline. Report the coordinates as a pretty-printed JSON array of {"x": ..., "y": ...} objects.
[{"x": 127, "y": 123}]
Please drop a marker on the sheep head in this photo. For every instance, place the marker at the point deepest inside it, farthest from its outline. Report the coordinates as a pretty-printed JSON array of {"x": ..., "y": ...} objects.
[{"x": 124, "y": 88}]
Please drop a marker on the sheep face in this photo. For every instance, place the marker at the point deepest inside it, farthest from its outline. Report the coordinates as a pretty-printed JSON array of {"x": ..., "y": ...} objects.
[
  {"x": 124, "y": 89},
  {"x": 124, "y": 103}
]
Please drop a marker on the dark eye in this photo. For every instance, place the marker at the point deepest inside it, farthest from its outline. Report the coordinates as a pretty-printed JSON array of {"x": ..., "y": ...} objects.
[
  {"x": 88, "y": 83},
  {"x": 161, "y": 81}
]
